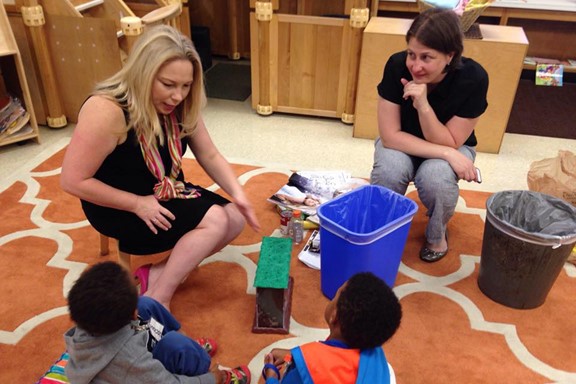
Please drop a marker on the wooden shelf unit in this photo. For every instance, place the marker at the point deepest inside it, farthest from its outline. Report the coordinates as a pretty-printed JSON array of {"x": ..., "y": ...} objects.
[{"x": 13, "y": 82}]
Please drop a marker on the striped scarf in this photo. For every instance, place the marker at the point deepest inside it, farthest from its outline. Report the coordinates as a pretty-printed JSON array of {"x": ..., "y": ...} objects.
[{"x": 167, "y": 187}]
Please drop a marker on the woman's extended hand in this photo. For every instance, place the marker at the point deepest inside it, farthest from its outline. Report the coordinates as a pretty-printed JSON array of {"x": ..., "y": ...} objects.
[
  {"x": 417, "y": 92},
  {"x": 245, "y": 207},
  {"x": 152, "y": 213}
]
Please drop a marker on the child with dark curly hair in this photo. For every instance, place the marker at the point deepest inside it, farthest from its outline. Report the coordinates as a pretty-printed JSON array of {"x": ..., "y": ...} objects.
[
  {"x": 122, "y": 338},
  {"x": 362, "y": 316}
]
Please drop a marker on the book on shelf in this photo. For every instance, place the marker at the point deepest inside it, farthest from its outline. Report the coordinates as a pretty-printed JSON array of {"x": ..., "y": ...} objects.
[
  {"x": 549, "y": 74},
  {"x": 13, "y": 117},
  {"x": 533, "y": 60},
  {"x": 18, "y": 127}
]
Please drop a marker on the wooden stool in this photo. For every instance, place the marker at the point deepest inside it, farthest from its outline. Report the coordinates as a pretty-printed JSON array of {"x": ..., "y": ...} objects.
[{"x": 123, "y": 257}]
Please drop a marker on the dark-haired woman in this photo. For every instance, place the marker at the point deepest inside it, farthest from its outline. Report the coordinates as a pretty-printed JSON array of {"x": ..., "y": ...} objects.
[{"x": 430, "y": 101}]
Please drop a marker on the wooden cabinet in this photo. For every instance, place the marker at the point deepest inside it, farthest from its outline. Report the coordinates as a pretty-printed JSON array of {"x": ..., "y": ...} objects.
[
  {"x": 13, "y": 83},
  {"x": 306, "y": 64},
  {"x": 549, "y": 25},
  {"x": 385, "y": 36},
  {"x": 229, "y": 20}
]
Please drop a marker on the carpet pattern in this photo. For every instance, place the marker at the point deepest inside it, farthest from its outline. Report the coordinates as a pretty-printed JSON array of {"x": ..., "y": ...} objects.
[{"x": 450, "y": 331}]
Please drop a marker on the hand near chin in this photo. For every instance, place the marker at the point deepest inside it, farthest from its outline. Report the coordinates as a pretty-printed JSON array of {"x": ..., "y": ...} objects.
[{"x": 417, "y": 92}]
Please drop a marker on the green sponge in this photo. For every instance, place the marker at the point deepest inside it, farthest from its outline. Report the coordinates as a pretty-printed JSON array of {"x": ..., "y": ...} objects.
[{"x": 274, "y": 263}]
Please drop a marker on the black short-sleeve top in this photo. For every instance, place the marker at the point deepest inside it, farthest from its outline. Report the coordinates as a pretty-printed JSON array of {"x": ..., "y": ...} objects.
[{"x": 461, "y": 93}]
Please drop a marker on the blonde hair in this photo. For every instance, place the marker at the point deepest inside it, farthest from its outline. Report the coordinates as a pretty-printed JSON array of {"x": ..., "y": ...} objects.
[{"x": 131, "y": 87}]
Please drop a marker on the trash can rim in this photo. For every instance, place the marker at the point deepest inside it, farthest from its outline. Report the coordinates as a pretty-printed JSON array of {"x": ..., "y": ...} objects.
[
  {"x": 521, "y": 234},
  {"x": 368, "y": 237}
]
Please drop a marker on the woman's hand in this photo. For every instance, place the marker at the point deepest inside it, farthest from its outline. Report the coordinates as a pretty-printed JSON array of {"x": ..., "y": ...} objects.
[
  {"x": 418, "y": 93},
  {"x": 462, "y": 166},
  {"x": 152, "y": 213},
  {"x": 245, "y": 208}
]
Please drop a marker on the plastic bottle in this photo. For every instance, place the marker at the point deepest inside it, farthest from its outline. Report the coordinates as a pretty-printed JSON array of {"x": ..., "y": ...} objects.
[
  {"x": 296, "y": 228},
  {"x": 285, "y": 217}
]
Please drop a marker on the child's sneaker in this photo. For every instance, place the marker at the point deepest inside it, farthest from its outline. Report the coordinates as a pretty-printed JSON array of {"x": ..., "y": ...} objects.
[
  {"x": 238, "y": 375},
  {"x": 209, "y": 345}
]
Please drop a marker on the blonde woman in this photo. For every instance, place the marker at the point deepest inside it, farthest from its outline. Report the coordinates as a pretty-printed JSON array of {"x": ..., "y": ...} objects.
[{"x": 124, "y": 163}]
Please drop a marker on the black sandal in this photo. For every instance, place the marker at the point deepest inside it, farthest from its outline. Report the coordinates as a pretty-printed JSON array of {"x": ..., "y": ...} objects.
[{"x": 430, "y": 256}]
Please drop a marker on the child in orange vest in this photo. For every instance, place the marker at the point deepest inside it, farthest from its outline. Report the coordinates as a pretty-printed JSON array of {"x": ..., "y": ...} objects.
[{"x": 363, "y": 315}]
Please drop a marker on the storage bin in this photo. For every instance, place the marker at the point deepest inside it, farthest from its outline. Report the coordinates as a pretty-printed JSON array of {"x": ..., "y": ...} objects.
[
  {"x": 528, "y": 237},
  {"x": 364, "y": 230}
]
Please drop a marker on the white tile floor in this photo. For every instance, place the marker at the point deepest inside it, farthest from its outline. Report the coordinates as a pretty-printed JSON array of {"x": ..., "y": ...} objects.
[{"x": 310, "y": 143}]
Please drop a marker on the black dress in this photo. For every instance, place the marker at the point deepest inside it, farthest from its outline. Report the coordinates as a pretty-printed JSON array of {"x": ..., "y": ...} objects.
[{"x": 126, "y": 169}]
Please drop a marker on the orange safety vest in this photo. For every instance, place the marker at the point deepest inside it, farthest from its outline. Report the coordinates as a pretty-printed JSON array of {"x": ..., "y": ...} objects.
[
  {"x": 328, "y": 364},
  {"x": 321, "y": 363}
]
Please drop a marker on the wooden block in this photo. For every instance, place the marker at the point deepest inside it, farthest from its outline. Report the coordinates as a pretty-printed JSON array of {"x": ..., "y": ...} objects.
[
  {"x": 273, "y": 308},
  {"x": 273, "y": 286}
]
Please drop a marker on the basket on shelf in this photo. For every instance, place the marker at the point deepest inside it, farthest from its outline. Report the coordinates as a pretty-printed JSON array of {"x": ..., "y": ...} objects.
[{"x": 471, "y": 12}]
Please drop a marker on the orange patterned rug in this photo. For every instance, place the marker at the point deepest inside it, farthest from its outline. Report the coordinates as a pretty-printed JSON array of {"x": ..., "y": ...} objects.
[{"x": 450, "y": 331}]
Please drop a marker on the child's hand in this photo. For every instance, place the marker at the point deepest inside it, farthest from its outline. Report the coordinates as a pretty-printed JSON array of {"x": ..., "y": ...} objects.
[
  {"x": 269, "y": 370},
  {"x": 279, "y": 354}
]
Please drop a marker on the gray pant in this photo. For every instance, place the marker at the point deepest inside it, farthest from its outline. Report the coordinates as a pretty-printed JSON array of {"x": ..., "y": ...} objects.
[{"x": 436, "y": 182}]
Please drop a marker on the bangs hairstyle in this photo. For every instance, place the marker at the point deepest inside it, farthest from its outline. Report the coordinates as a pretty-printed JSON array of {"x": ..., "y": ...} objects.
[
  {"x": 131, "y": 87},
  {"x": 439, "y": 29}
]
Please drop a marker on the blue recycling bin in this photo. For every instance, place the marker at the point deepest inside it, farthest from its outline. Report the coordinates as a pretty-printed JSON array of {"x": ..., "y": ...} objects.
[{"x": 364, "y": 230}]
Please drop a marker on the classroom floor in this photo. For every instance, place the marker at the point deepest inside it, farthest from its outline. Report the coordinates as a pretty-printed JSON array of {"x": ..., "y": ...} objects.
[
  {"x": 306, "y": 143},
  {"x": 311, "y": 143}
]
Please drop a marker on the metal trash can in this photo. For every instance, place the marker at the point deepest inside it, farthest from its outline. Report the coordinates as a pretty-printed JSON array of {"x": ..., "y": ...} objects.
[{"x": 528, "y": 237}]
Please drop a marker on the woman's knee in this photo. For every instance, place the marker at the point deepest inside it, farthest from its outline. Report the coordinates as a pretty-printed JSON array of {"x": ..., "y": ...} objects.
[
  {"x": 392, "y": 169},
  {"x": 436, "y": 180},
  {"x": 215, "y": 220},
  {"x": 224, "y": 220},
  {"x": 236, "y": 220}
]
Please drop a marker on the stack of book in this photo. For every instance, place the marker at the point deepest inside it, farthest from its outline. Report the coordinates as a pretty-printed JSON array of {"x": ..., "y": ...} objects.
[{"x": 13, "y": 117}]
